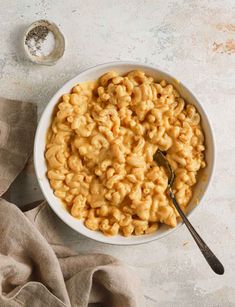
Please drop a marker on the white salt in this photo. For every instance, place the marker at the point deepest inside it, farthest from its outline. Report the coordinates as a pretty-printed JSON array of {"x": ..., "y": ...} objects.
[{"x": 41, "y": 46}]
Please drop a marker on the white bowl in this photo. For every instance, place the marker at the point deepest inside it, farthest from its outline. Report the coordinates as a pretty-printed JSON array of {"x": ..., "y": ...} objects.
[{"x": 204, "y": 177}]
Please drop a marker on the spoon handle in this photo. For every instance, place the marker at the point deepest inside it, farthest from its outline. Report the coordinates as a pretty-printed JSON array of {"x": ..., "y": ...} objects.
[{"x": 212, "y": 260}]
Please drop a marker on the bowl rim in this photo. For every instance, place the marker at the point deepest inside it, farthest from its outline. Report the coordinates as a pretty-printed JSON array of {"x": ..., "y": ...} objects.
[{"x": 53, "y": 102}]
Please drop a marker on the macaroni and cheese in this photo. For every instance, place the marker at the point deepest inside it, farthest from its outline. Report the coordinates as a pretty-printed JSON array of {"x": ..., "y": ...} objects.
[{"x": 100, "y": 149}]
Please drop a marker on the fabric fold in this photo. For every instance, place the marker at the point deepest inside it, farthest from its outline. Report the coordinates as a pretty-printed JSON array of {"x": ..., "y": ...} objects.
[{"x": 17, "y": 127}]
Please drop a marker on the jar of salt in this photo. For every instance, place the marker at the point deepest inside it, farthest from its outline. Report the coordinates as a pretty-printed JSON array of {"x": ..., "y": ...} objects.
[{"x": 44, "y": 43}]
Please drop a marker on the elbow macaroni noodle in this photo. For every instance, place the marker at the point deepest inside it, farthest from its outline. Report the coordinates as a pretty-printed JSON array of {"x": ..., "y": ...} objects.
[{"x": 100, "y": 148}]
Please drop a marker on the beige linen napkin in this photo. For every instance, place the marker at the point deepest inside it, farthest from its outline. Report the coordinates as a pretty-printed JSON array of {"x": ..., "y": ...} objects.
[{"x": 35, "y": 268}]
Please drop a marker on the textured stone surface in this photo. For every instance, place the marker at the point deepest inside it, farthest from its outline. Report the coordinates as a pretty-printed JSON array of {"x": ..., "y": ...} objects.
[{"x": 194, "y": 41}]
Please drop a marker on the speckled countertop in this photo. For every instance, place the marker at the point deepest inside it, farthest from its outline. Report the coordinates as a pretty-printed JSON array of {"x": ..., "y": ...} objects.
[{"x": 194, "y": 41}]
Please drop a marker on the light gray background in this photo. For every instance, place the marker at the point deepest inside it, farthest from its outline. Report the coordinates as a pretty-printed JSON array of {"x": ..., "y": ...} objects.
[{"x": 195, "y": 42}]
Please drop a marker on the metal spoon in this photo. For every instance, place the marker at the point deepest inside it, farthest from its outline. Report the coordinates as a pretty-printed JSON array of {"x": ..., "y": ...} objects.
[{"x": 212, "y": 260}]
